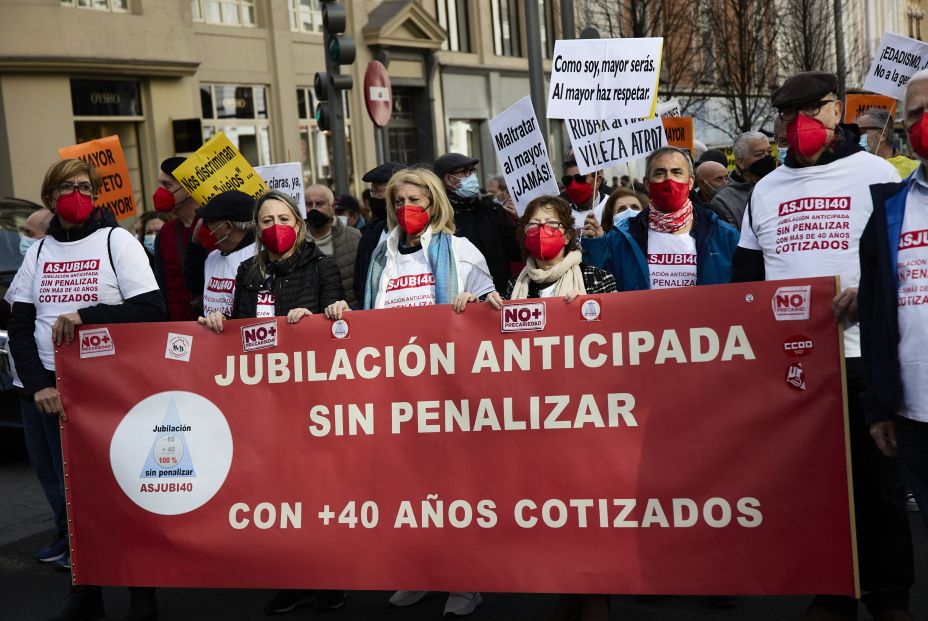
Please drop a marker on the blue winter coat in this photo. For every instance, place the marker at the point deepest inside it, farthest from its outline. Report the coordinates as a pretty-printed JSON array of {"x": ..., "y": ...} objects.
[{"x": 623, "y": 251}]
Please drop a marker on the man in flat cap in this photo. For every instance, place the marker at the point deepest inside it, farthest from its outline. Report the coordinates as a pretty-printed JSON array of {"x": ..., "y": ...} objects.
[
  {"x": 224, "y": 238},
  {"x": 376, "y": 229},
  {"x": 484, "y": 223},
  {"x": 805, "y": 219},
  {"x": 172, "y": 240}
]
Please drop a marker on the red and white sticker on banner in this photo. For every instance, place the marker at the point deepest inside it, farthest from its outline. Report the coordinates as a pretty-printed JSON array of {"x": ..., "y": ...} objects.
[{"x": 676, "y": 444}]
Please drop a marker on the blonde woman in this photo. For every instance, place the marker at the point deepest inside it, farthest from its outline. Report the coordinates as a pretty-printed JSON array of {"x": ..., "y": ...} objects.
[
  {"x": 422, "y": 263},
  {"x": 288, "y": 276}
]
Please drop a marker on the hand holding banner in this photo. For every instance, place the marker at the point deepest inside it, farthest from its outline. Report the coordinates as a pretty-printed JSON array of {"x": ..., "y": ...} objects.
[
  {"x": 521, "y": 151},
  {"x": 218, "y": 167},
  {"x": 605, "y": 78},
  {"x": 106, "y": 155}
]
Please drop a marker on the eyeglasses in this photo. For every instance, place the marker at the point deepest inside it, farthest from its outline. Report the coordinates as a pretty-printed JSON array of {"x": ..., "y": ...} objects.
[
  {"x": 551, "y": 225},
  {"x": 811, "y": 108},
  {"x": 378, "y": 192},
  {"x": 578, "y": 178},
  {"x": 68, "y": 188},
  {"x": 464, "y": 172}
]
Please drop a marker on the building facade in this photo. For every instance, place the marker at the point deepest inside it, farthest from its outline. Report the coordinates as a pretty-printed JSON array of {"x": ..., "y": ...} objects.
[{"x": 165, "y": 75}]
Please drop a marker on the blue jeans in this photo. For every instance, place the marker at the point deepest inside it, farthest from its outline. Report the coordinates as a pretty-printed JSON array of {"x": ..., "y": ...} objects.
[{"x": 43, "y": 443}]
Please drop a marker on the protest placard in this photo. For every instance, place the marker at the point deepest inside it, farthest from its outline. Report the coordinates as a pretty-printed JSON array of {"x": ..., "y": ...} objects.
[
  {"x": 605, "y": 78},
  {"x": 604, "y": 143},
  {"x": 521, "y": 151},
  {"x": 106, "y": 155},
  {"x": 897, "y": 60},
  {"x": 669, "y": 108},
  {"x": 218, "y": 167},
  {"x": 535, "y": 449},
  {"x": 855, "y": 105},
  {"x": 679, "y": 131},
  {"x": 286, "y": 178}
]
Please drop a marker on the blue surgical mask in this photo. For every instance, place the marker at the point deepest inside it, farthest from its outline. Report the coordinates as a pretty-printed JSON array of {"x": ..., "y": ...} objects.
[
  {"x": 863, "y": 143},
  {"x": 149, "y": 242},
  {"x": 781, "y": 154},
  {"x": 623, "y": 215},
  {"x": 25, "y": 243},
  {"x": 470, "y": 187}
]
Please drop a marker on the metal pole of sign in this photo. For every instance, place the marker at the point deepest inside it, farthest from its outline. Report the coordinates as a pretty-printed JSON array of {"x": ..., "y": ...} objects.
[
  {"x": 568, "y": 29},
  {"x": 536, "y": 74},
  {"x": 378, "y": 145}
]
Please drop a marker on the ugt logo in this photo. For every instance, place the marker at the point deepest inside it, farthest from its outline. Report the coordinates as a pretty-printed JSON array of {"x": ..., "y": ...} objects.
[
  {"x": 523, "y": 317},
  {"x": 792, "y": 303},
  {"x": 259, "y": 336},
  {"x": 97, "y": 342}
]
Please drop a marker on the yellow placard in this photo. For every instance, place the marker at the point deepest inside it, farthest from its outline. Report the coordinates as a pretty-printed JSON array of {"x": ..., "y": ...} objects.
[
  {"x": 218, "y": 167},
  {"x": 105, "y": 154},
  {"x": 855, "y": 105},
  {"x": 679, "y": 130}
]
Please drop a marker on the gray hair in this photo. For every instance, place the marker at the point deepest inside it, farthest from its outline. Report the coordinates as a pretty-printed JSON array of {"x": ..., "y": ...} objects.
[
  {"x": 880, "y": 115},
  {"x": 500, "y": 181},
  {"x": 242, "y": 226},
  {"x": 741, "y": 148},
  {"x": 664, "y": 151},
  {"x": 329, "y": 196}
]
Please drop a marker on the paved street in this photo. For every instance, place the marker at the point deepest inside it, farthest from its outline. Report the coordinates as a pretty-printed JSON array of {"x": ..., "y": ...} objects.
[{"x": 30, "y": 591}]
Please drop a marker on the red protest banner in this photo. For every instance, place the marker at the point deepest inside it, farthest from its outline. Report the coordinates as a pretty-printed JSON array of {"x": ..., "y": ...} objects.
[
  {"x": 107, "y": 156},
  {"x": 627, "y": 443}
]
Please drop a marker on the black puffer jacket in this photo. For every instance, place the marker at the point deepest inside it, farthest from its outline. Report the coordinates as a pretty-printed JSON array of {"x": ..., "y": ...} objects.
[{"x": 307, "y": 279}]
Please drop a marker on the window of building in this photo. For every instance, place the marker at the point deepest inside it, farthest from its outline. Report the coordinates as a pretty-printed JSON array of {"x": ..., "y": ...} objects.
[
  {"x": 464, "y": 137},
  {"x": 305, "y": 16},
  {"x": 453, "y": 17},
  {"x": 225, "y": 12},
  {"x": 506, "y": 39},
  {"x": 239, "y": 112},
  {"x": 313, "y": 150},
  {"x": 117, "y": 6}
]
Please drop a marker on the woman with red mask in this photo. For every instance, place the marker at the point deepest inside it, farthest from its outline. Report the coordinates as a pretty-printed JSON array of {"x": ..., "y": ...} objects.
[
  {"x": 288, "y": 276},
  {"x": 423, "y": 263},
  {"x": 552, "y": 267},
  {"x": 672, "y": 243},
  {"x": 87, "y": 270}
]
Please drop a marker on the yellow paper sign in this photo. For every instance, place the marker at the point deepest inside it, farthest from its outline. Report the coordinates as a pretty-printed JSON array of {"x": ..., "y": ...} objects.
[
  {"x": 218, "y": 167},
  {"x": 679, "y": 130},
  {"x": 858, "y": 104},
  {"x": 105, "y": 154}
]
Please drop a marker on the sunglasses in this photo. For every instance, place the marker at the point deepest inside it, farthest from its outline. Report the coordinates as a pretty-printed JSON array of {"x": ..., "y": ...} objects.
[{"x": 578, "y": 178}]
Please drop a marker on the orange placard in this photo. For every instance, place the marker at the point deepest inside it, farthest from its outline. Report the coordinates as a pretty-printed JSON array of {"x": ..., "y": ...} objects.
[
  {"x": 679, "y": 131},
  {"x": 855, "y": 105},
  {"x": 106, "y": 155}
]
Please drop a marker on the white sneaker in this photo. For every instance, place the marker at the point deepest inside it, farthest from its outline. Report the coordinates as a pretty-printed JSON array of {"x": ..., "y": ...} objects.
[
  {"x": 407, "y": 598},
  {"x": 461, "y": 604}
]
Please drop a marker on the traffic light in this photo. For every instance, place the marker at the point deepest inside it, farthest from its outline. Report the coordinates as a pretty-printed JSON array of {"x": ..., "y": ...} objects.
[{"x": 340, "y": 50}]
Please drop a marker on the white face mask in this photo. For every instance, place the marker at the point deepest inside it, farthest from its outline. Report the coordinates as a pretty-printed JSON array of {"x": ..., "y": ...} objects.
[{"x": 343, "y": 220}]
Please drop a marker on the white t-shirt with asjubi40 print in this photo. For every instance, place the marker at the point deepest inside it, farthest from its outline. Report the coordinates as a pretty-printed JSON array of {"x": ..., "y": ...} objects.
[
  {"x": 808, "y": 221},
  {"x": 64, "y": 277}
]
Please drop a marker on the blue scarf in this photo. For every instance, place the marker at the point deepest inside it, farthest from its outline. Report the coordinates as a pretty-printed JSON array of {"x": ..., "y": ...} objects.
[{"x": 441, "y": 262}]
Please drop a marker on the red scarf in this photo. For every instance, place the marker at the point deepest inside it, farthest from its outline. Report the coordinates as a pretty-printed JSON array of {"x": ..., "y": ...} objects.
[{"x": 673, "y": 221}]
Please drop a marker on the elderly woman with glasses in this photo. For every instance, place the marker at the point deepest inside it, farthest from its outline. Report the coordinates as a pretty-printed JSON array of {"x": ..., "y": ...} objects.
[
  {"x": 87, "y": 270},
  {"x": 553, "y": 265}
]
